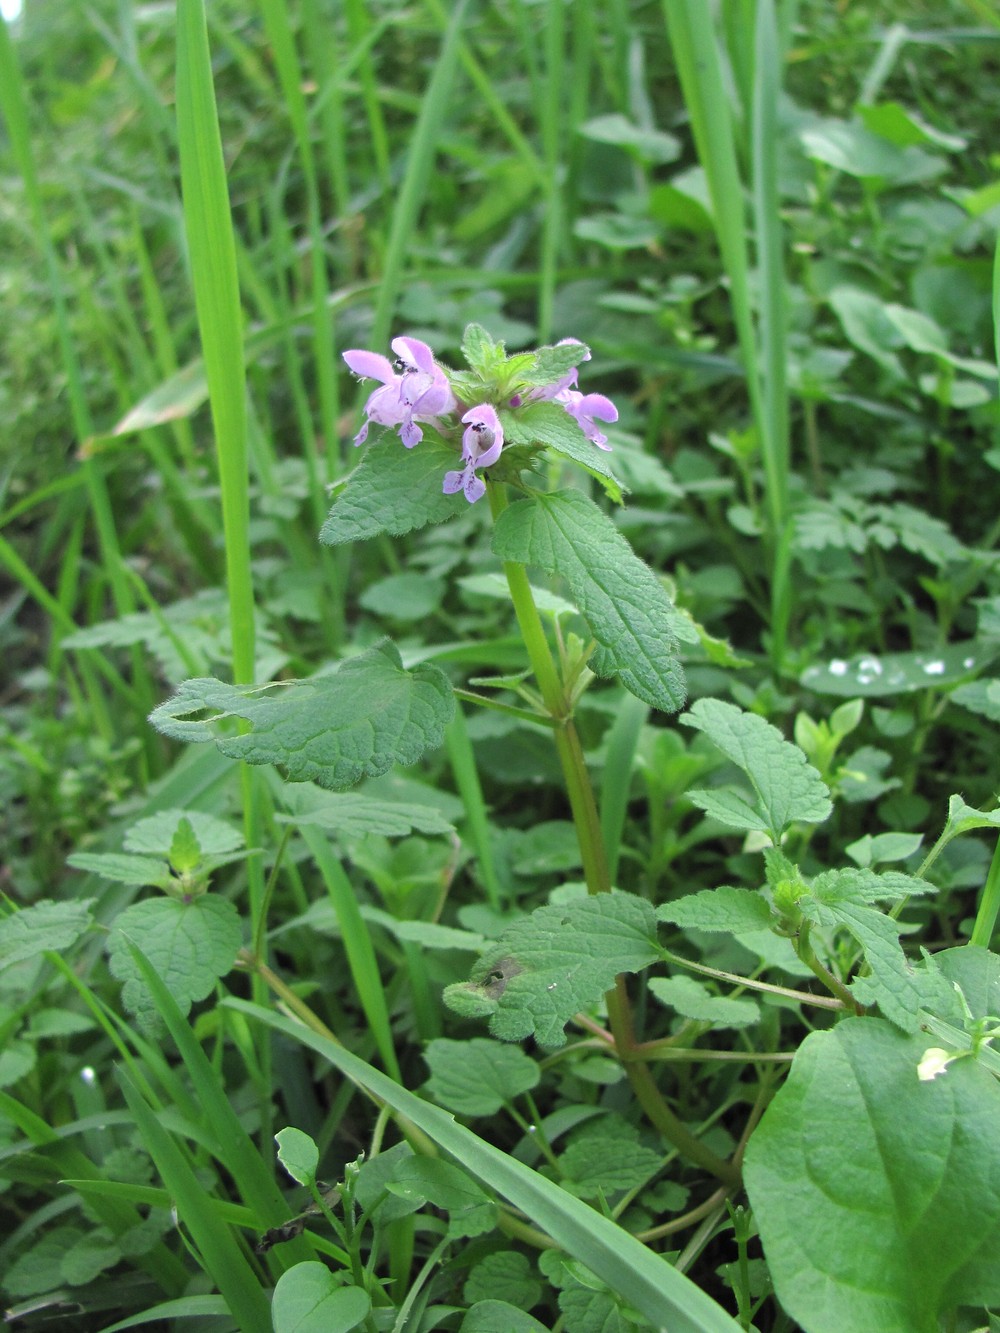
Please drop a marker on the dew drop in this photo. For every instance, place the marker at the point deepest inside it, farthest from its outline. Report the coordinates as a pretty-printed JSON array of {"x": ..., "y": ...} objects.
[
  {"x": 934, "y": 669},
  {"x": 968, "y": 663},
  {"x": 88, "y": 1075},
  {"x": 838, "y": 667},
  {"x": 870, "y": 665}
]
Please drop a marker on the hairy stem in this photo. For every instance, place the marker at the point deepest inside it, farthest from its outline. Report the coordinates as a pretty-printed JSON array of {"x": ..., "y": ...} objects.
[{"x": 557, "y": 699}]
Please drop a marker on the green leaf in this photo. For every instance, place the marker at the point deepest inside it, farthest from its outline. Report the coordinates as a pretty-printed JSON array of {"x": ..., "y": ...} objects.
[
  {"x": 867, "y": 326},
  {"x": 422, "y": 1180},
  {"x": 692, "y": 999},
  {"x": 550, "y": 424},
  {"x": 122, "y": 868},
  {"x": 841, "y": 898},
  {"x": 407, "y": 596},
  {"x": 875, "y": 1193},
  {"x": 963, "y": 818},
  {"x": 622, "y": 600},
  {"x": 189, "y": 944},
  {"x": 310, "y": 1299},
  {"x": 724, "y": 910},
  {"x": 980, "y": 696},
  {"x": 17, "y": 1060},
  {"x": 869, "y": 851},
  {"x": 394, "y": 490},
  {"x": 786, "y": 786},
  {"x": 333, "y": 729},
  {"x": 44, "y": 925},
  {"x": 654, "y": 1287},
  {"x": 506, "y": 1276},
  {"x": 91, "y": 1254},
  {"x": 650, "y": 145},
  {"x": 557, "y": 961},
  {"x": 605, "y": 1156},
  {"x": 482, "y": 353},
  {"x": 488, "y": 1316},
  {"x": 877, "y": 676},
  {"x": 298, "y": 1154},
  {"x": 155, "y": 835},
  {"x": 479, "y": 1076},
  {"x": 353, "y": 814}
]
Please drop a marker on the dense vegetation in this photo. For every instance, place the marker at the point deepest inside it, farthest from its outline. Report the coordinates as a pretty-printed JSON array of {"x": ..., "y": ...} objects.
[{"x": 537, "y": 870}]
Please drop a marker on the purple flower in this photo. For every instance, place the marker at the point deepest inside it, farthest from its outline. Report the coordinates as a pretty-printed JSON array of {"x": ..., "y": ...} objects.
[
  {"x": 587, "y": 409},
  {"x": 413, "y": 389},
  {"x": 482, "y": 443},
  {"x": 582, "y": 407}
]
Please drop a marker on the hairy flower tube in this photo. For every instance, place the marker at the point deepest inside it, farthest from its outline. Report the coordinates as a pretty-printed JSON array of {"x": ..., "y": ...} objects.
[
  {"x": 414, "y": 389},
  {"x": 482, "y": 442}
]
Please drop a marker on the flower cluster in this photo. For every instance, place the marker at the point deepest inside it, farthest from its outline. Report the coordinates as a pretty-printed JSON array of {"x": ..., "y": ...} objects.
[{"x": 414, "y": 388}]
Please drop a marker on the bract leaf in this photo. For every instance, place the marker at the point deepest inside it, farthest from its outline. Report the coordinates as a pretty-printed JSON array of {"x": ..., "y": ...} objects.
[
  {"x": 875, "y": 1193},
  {"x": 189, "y": 944},
  {"x": 477, "y": 1077},
  {"x": 550, "y": 424},
  {"x": 786, "y": 785},
  {"x": 622, "y": 600},
  {"x": 555, "y": 962},
  {"x": 394, "y": 490},
  {"x": 333, "y": 729}
]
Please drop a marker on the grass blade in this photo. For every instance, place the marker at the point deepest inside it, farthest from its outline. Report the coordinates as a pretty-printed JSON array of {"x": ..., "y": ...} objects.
[
  {"x": 666, "y": 1297},
  {"x": 220, "y": 1255}
]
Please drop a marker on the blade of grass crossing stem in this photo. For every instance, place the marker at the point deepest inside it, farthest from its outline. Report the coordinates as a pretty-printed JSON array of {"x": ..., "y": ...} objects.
[
  {"x": 989, "y": 905},
  {"x": 322, "y": 43},
  {"x": 212, "y": 252},
  {"x": 359, "y": 23},
  {"x": 691, "y": 27},
  {"x": 551, "y": 118},
  {"x": 655, "y": 1288},
  {"x": 419, "y": 172},
  {"x": 773, "y": 316},
  {"x": 466, "y": 775},
  {"x": 237, "y": 1152},
  {"x": 616, "y": 780},
  {"x": 357, "y": 945},
  {"x": 280, "y": 28},
  {"x": 219, "y": 1253},
  {"x": 696, "y": 54}
]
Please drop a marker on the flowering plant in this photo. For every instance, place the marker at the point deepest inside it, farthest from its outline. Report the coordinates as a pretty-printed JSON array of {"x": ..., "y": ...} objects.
[{"x": 416, "y": 391}]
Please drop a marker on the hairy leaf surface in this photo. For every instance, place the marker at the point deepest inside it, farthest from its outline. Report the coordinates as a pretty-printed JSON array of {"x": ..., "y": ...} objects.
[
  {"x": 555, "y": 962},
  {"x": 333, "y": 729},
  {"x": 786, "y": 785},
  {"x": 622, "y": 600}
]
